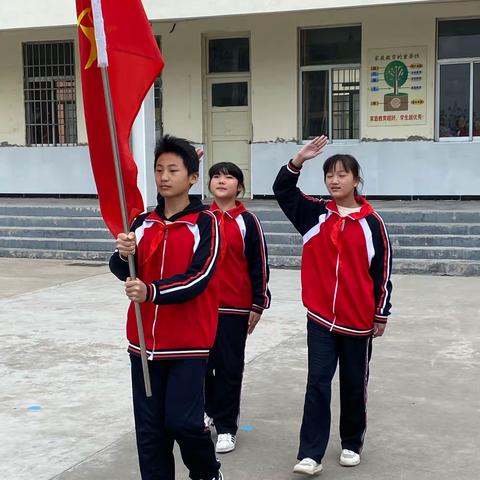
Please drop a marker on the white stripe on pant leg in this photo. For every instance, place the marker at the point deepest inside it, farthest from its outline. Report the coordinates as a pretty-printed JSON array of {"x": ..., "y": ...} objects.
[{"x": 365, "y": 392}]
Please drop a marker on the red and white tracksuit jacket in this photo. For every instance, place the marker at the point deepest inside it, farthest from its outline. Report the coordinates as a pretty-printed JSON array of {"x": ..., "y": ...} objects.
[
  {"x": 243, "y": 271},
  {"x": 346, "y": 262},
  {"x": 176, "y": 258}
]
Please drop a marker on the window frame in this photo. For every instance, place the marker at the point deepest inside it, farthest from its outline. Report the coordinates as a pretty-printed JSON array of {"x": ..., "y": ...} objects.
[
  {"x": 471, "y": 61},
  {"x": 158, "y": 87},
  {"x": 228, "y": 76},
  {"x": 50, "y": 79},
  {"x": 329, "y": 68}
]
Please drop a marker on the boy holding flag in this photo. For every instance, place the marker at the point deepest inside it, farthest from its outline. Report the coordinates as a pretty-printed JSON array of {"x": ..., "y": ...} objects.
[{"x": 176, "y": 248}]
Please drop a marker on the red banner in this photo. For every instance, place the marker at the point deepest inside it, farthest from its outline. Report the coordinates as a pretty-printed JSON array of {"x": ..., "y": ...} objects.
[{"x": 134, "y": 62}]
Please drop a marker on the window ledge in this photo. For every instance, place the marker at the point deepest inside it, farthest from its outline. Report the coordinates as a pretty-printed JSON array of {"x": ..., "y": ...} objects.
[
  {"x": 458, "y": 140},
  {"x": 336, "y": 142}
]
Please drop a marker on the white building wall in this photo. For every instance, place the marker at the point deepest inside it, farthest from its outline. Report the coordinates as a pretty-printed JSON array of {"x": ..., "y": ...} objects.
[
  {"x": 12, "y": 120},
  {"x": 274, "y": 72},
  {"x": 46, "y": 170},
  {"x": 182, "y": 79},
  {"x": 400, "y": 169},
  {"x": 274, "y": 63},
  {"x": 57, "y": 13}
]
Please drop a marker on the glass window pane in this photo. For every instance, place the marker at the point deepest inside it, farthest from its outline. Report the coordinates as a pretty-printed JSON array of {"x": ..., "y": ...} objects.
[
  {"x": 233, "y": 94},
  {"x": 228, "y": 55},
  {"x": 345, "y": 103},
  {"x": 476, "y": 100},
  {"x": 330, "y": 46},
  {"x": 314, "y": 104},
  {"x": 459, "y": 38},
  {"x": 454, "y": 100}
]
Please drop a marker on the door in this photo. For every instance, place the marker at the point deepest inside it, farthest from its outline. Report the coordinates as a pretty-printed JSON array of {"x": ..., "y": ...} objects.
[{"x": 229, "y": 123}]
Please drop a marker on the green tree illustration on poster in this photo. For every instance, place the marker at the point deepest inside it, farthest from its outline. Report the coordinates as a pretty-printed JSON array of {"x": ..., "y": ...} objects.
[{"x": 396, "y": 74}]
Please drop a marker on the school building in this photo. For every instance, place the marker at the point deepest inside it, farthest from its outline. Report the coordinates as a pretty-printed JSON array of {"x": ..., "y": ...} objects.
[{"x": 395, "y": 83}]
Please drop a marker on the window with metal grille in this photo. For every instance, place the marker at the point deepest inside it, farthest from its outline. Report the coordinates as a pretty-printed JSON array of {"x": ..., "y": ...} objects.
[
  {"x": 49, "y": 92},
  {"x": 330, "y": 82},
  {"x": 458, "y": 80}
]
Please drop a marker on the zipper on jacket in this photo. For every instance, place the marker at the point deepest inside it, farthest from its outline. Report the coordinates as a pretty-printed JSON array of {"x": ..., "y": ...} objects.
[
  {"x": 336, "y": 282},
  {"x": 156, "y": 307},
  {"x": 163, "y": 253},
  {"x": 153, "y": 333}
]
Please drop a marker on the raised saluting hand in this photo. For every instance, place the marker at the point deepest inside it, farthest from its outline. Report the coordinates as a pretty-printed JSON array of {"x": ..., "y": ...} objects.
[{"x": 310, "y": 150}]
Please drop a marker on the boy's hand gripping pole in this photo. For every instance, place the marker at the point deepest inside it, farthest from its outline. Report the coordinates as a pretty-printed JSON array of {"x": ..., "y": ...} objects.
[{"x": 123, "y": 207}]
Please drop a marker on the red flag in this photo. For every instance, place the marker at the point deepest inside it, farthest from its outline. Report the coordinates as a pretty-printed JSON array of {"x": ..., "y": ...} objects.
[{"x": 134, "y": 62}]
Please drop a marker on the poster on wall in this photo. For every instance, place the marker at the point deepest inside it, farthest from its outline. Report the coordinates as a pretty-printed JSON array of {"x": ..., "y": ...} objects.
[{"x": 397, "y": 86}]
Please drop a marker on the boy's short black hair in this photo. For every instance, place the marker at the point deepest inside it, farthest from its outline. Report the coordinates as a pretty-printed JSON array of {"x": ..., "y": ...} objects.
[
  {"x": 180, "y": 147},
  {"x": 228, "y": 168}
]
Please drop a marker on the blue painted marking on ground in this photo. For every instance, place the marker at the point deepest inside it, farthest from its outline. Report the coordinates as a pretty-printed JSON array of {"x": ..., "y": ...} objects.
[
  {"x": 247, "y": 428},
  {"x": 34, "y": 408}
]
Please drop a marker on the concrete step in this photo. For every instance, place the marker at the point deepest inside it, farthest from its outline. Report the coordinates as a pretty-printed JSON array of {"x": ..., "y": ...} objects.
[
  {"x": 437, "y": 253},
  {"x": 429, "y": 216},
  {"x": 274, "y": 238},
  {"x": 421, "y": 228},
  {"x": 403, "y": 266},
  {"x": 49, "y": 211},
  {"x": 417, "y": 252},
  {"x": 273, "y": 214},
  {"x": 433, "y": 228},
  {"x": 398, "y": 216},
  {"x": 55, "y": 254},
  {"x": 284, "y": 261},
  {"x": 286, "y": 250},
  {"x": 390, "y": 215},
  {"x": 35, "y": 243},
  {"x": 56, "y": 232},
  {"x": 425, "y": 240},
  {"x": 435, "y": 240},
  {"x": 49, "y": 221},
  {"x": 464, "y": 268},
  {"x": 280, "y": 238},
  {"x": 278, "y": 226}
]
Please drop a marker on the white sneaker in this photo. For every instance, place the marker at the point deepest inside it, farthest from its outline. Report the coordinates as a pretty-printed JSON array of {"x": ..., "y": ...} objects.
[
  {"x": 308, "y": 466},
  {"x": 208, "y": 421},
  {"x": 348, "y": 458},
  {"x": 225, "y": 443}
]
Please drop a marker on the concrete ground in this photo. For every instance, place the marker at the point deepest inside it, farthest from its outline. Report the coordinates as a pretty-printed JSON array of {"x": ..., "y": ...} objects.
[{"x": 65, "y": 406}]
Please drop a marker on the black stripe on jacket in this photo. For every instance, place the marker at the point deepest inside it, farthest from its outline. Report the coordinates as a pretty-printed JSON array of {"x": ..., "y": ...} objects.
[
  {"x": 257, "y": 258},
  {"x": 381, "y": 267},
  {"x": 303, "y": 211}
]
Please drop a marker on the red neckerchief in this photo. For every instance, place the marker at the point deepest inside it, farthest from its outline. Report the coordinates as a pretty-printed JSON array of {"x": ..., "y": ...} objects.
[
  {"x": 339, "y": 222},
  {"x": 232, "y": 213},
  {"x": 162, "y": 228}
]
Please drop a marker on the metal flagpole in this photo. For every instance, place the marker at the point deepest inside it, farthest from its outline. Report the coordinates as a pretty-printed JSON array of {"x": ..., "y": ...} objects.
[
  {"x": 123, "y": 207},
  {"x": 102, "y": 62}
]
